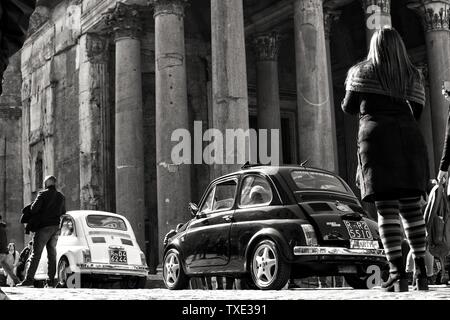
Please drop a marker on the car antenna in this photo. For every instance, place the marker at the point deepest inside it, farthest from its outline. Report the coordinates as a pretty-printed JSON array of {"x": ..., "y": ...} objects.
[{"x": 303, "y": 164}]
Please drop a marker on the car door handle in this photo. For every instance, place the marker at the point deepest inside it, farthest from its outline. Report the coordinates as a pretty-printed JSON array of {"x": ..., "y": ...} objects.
[{"x": 228, "y": 218}]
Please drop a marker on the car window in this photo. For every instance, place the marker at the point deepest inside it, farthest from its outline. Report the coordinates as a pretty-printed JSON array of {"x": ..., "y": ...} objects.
[
  {"x": 224, "y": 195},
  {"x": 67, "y": 227},
  {"x": 208, "y": 205},
  {"x": 106, "y": 222},
  {"x": 255, "y": 191},
  {"x": 317, "y": 181}
]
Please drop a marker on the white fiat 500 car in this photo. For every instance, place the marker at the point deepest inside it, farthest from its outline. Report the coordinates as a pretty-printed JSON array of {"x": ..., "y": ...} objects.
[{"x": 99, "y": 247}]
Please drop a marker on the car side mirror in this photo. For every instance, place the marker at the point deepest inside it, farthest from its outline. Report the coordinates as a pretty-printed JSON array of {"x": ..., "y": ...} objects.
[{"x": 193, "y": 208}]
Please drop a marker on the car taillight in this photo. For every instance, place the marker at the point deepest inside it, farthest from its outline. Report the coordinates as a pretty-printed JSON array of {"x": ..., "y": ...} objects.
[
  {"x": 144, "y": 262},
  {"x": 310, "y": 235},
  {"x": 86, "y": 256}
]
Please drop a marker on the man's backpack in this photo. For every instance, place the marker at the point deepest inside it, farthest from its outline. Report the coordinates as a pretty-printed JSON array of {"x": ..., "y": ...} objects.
[{"x": 437, "y": 219}]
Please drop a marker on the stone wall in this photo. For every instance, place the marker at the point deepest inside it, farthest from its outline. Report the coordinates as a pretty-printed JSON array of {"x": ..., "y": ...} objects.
[{"x": 10, "y": 153}]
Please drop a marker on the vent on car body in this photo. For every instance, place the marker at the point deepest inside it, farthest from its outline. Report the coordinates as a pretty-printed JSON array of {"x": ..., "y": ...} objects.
[
  {"x": 127, "y": 242},
  {"x": 320, "y": 206},
  {"x": 306, "y": 197},
  {"x": 98, "y": 240}
]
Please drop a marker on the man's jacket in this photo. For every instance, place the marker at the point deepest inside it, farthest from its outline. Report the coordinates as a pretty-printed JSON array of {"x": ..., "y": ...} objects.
[
  {"x": 47, "y": 208},
  {"x": 3, "y": 238},
  {"x": 14, "y": 20}
]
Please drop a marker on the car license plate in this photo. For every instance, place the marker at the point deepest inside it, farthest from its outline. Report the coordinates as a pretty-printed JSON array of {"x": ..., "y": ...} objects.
[
  {"x": 118, "y": 256},
  {"x": 358, "y": 230},
  {"x": 364, "y": 244}
]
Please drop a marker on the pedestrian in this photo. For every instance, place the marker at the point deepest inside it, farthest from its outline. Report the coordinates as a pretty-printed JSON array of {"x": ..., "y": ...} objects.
[
  {"x": 388, "y": 93},
  {"x": 12, "y": 260},
  {"x": 23, "y": 257},
  {"x": 445, "y": 160},
  {"x": 46, "y": 210},
  {"x": 4, "y": 254}
]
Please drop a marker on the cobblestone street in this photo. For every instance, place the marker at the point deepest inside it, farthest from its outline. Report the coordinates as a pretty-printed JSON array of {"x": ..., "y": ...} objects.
[{"x": 435, "y": 293}]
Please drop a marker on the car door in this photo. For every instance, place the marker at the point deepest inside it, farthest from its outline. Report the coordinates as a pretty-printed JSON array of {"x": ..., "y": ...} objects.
[{"x": 207, "y": 241}]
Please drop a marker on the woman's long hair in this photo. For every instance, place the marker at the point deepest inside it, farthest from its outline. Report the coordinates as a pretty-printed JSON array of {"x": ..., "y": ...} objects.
[{"x": 391, "y": 62}]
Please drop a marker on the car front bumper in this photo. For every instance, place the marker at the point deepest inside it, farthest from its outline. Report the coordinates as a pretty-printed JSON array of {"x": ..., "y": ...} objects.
[{"x": 108, "y": 269}]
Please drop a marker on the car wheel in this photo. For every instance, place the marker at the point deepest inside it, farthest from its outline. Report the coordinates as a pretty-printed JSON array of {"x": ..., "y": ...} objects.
[
  {"x": 357, "y": 281},
  {"x": 63, "y": 272},
  {"x": 173, "y": 273},
  {"x": 268, "y": 270}
]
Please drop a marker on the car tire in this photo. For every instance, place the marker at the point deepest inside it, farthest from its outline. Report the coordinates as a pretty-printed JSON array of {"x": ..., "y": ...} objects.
[
  {"x": 357, "y": 282},
  {"x": 173, "y": 273},
  {"x": 63, "y": 275},
  {"x": 267, "y": 268}
]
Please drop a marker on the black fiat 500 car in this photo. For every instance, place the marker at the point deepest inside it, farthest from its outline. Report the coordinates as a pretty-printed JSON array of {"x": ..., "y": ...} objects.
[{"x": 266, "y": 225}]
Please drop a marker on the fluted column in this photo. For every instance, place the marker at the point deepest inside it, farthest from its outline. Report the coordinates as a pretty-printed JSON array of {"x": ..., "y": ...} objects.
[
  {"x": 378, "y": 15},
  {"x": 93, "y": 100},
  {"x": 267, "y": 47},
  {"x": 173, "y": 180},
  {"x": 229, "y": 76},
  {"x": 435, "y": 16},
  {"x": 316, "y": 135},
  {"x": 129, "y": 150},
  {"x": 330, "y": 16}
]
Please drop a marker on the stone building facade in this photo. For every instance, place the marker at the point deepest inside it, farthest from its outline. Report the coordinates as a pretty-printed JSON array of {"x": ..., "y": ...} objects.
[{"x": 104, "y": 83}]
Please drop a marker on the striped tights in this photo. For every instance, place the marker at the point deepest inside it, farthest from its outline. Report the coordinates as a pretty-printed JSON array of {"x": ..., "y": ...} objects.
[{"x": 389, "y": 212}]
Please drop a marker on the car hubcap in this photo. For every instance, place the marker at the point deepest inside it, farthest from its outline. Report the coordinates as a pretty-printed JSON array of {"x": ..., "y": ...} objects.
[
  {"x": 172, "y": 269},
  {"x": 265, "y": 265}
]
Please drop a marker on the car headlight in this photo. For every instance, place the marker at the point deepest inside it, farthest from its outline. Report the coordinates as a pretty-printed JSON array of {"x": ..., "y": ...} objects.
[
  {"x": 143, "y": 260},
  {"x": 87, "y": 256},
  {"x": 310, "y": 235}
]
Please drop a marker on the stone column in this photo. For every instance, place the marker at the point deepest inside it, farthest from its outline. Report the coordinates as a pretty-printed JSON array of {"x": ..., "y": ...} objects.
[
  {"x": 129, "y": 150},
  {"x": 173, "y": 180},
  {"x": 316, "y": 135},
  {"x": 267, "y": 86},
  {"x": 229, "y": 76},
  {"x": 435, "y": 16},
  {"x": 330, "y": 16},
  {"x": 93, "y": 84},
  {"x": 425, "y": 122},
  {"x": 378, "y": 15}
]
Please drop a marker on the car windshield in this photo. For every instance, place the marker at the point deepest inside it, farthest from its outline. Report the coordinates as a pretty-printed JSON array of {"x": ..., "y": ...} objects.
[
  {"x": 106, "y": 222},
  {"x": 317, "y": 181}
]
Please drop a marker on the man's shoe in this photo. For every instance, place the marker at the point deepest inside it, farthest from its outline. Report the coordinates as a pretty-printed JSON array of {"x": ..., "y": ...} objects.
[{"x": 26, "y": 283}]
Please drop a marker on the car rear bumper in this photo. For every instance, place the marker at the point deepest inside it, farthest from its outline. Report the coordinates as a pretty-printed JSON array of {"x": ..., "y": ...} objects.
[
  {"x": 338, "y": 254},
  {"x": 108, "y": 269}
]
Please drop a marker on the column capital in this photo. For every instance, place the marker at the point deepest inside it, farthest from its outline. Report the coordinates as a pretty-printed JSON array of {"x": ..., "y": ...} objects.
[
  {"x": 384, "y": 5},
  {"x": 435, "y": 14},
  {"x": 125, "y": 21},
  {"x": 96, "y": 48},
  {"x": 267, "y": 46},
  {"x": 173, "y": 7},
  {"x": 329, "y": 17}
]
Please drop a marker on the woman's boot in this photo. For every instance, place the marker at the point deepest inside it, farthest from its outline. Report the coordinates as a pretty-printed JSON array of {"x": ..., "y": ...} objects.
[
  {"x": 420, "y": 281},
  {"x": 398, "y": 279}
]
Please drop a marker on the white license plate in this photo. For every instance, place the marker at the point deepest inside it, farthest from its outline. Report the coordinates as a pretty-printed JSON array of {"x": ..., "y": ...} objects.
[{"x": 364, "y": 244}]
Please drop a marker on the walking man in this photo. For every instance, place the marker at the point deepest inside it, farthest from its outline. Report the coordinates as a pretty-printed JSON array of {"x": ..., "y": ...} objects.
[{"x": 46, "y": 211}]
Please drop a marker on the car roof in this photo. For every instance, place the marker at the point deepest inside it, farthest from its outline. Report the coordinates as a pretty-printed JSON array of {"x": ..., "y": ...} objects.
[
  {"x": 84, "y": 213},
  {"x": 273, "y": 170}
]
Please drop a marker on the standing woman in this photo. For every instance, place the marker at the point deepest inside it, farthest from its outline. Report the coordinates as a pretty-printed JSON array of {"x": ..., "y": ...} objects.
[
  {"x": 388, "y": 93},
  {"x": 445, "y": 161}
]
